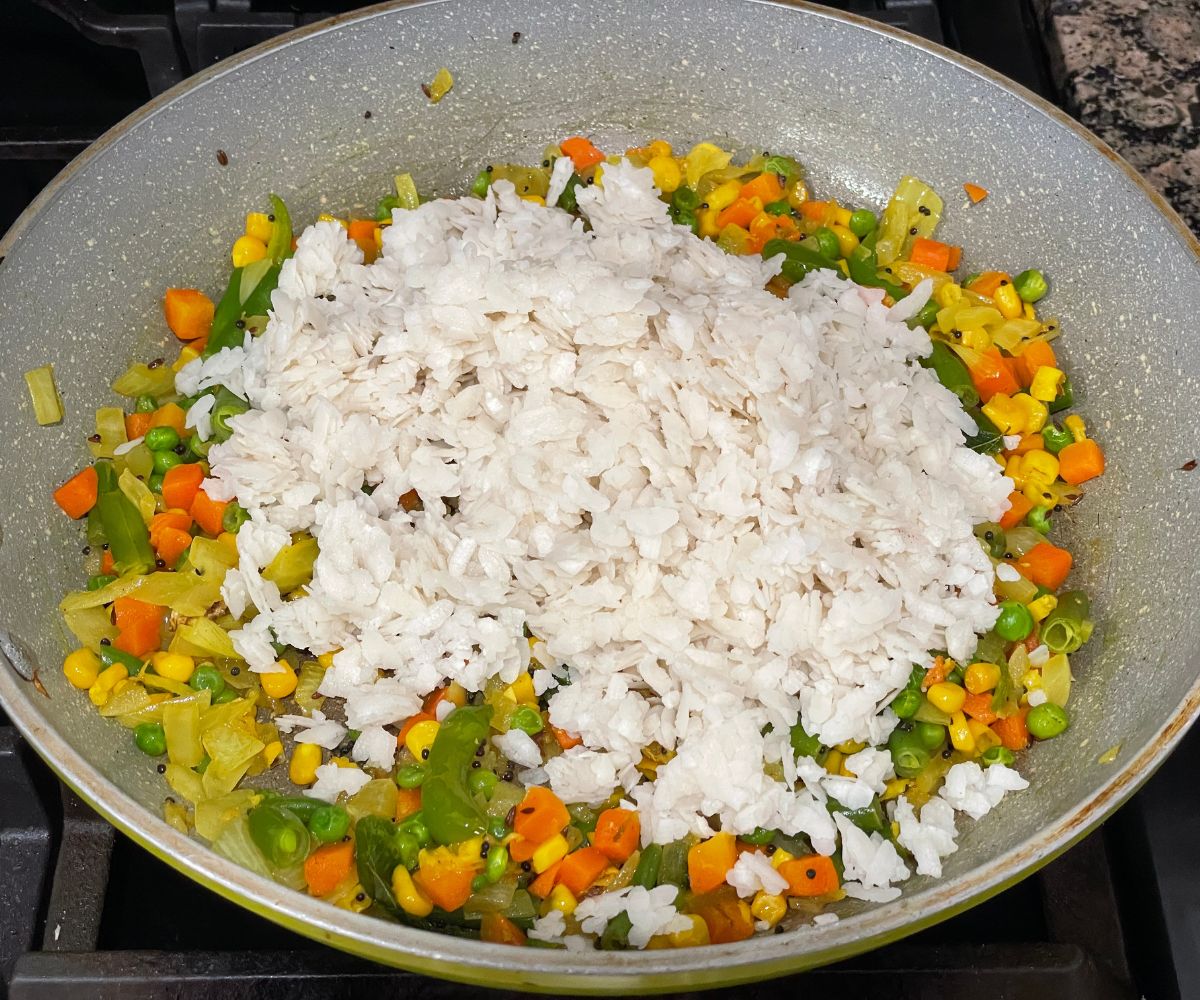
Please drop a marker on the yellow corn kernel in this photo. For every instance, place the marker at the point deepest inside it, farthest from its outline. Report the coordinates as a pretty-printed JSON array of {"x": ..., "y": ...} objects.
[
  {"x": 441, "y": 84},
  {"x": 948, "y": 294},
  {"x": 983, "y": 736},
  {"x": 1042, "y": 606},
  {"x": 1046, "y": 381},
  {"x": 1039, "y": 464},
  {"x": 1008, "y": 301},
  {"x": 658, "y": 147},
  {"x": 1035, "y": 412},
  {"x": 947, "y": 697},
  {"x": 1031, "y": 680},
  {"x": 550, "y": 851},
  {"x": 258, "y": 225},
  {"x": 343, "y": 762},
  {"x": 724, "y": 195},
  {"x": 420, "y": 737},
  {"x": 850, "y": 746},
  {"x": 667, "y": 175},
  {"x": 707, "y": 226},
  {"x": 173, "y": 666},
  {"x": 981, "y": 677},
  {"x": 844, "y": 268},
  {"x": 229, "y": 540},
  {"x": 894, "y": 789},
  {"x": 696, "y": 936},
  {"x": 456, "y": 694},
  {"x": 306, "y": 758},
  {"x": 1074, "y": 423},
  {"x": 960, "y": 733},
  {"x": 326, "y": 217},
  {"x": 563, "y": 900},
  {"x": 186, "y": 357},
  {"x": 82, "y": 667},
  {"x": 977, "y": 339},
  {"x": 271, "y": 752},
  {"x": 1005, "y": 413},
  {"x": 411, "y": 899},
  {"x": 521, "y": 690},
  {"x": 780, "y": 856},
  {"x": 841, "y": 217},
  {"x": 768, "y": 907},
  {"x": 109, "y": 678},
  {"x": 326, "y": 659},
  {"x": 1029, "y": 312},
  {"x": 281, "y": 683},
  {"x": 833, "y": 761},
  {"x": 1038, "y": 492},
  {"x": 537, "y": 199},
  {"x": 246, "y": 250},
  {"x": 847, "y": 241}
]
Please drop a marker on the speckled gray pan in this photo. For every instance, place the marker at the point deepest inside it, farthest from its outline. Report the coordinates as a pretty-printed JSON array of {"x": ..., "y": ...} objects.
[{"x": 151, "y": 205}]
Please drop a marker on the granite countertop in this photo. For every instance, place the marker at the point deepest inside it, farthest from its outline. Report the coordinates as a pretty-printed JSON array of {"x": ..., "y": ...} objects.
[{"x": 1130, "y": 71}]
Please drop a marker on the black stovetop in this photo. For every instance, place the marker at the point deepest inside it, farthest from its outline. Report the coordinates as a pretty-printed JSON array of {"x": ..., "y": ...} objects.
[{"x": 85, "y": 913}]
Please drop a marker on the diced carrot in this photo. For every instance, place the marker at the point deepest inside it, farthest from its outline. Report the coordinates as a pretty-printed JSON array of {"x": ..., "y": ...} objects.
[
  {"x": 107, "y": 566},
  {"x": 709, "y": 862},
  {"x": 362, "y": 232},
  {"x": 181, "y": 520},
  {"x": 498, "y": 929},
  {"x": 975, "y": 193},
  {"x": 1034, "y": 355},
  {"x": 986, "y": 283},
  {"x": 198, "y": 344},
  {"x": 189, "y": 312},
  {"x": 581, "y": 868},
  {"x": 930, "y": 253},
  {"x": 617, "y": 832},
  {"x": 937, "y": 673},
  {"x": 411, "y": 721},
  {"x": 446, "y": 887},
  {"x": 565, "y": 739},
  {"x": 815, "y": 211},
  {"x": 540, "y": 815},
  {"x": 520, "y": 849},
  {"x": 327, "y": 866},
  {"x": 991, "y": 373},
  {"x": 208, "y": 512},
  {"x": 411, "y": 501},
  {"x": 1018, "y": 506},
  {"x": 78, "y": 494},
  {"x": 812, "y": 875},
  {"x": 1046, "y": 565},
  {"x": 727, "y": 917},
  {"x": 581, "y": 151},
  {"x": 136, "y": 425},
  {"x": 130, "y": 611},
  {"x": 172, "y": 543},
  {"x": 740, "y": 213},
  {"x": 1013, "y": 732},
  {"x": 765, "y": 187},
  {"x": 954, "y": 259},
  {"x": 544, "y": 884},
  {"x": 180, "y": 484},
  {"x": 170, "y": 415},
  {"x": 408, "y": 802},
  {"x": 979, "y": 707},
  {"x": 139, "y": 638},
  {"x": 1080, "y": 461}
]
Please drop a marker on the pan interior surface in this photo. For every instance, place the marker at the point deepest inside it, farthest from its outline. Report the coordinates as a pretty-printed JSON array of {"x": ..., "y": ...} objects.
[{"x": 152, "y": 206}]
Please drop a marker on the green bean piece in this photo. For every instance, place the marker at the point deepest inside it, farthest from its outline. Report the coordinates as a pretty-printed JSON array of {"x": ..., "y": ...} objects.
[
  {"x": 1069, "y": 625},
  {"x": 780, "y": 207},
  {"x": 1065, "y": 397},
  {"x": 497, "y": 828},
  {"x": 497, "y": 863},
  {"x": 279, "y": 833},
  {"x": 804, "y": 745},
  {"x": 998, "y": 755},
  {"x": 828, "y": 242},
  {"x": 1047, "y": 720},
  {"x": 926, "y": 316},
  {"x": 110, "y": 655},
  {"x": 161, "y": 438},
  {"x": 301, "y": 805},
  {"x": 672, "y": 870},
  {"x": 226, "y": 406},
  {"x": 930, "y": 735},
  {"x": 234, "y": 517},
  {"x": 760, "y": 836},
  {"x": 198, "y": 447},
  {"x": 1014, "y": 622},
  {"x": 150, "y": 738},
  {"x": 862, "y": 222},
  {"x": 411, "y": 776},
  {"x": 99, "y": 581},
  {"x": 909, "y": 755},
  {"x": 482, "y": 782},
  {"x": 952, "y": 373},
  {"x": 1030, "y": 285},
  {"x": 128, "y": 539},
  {"x": 956, "y": 676},
  {"x": 528, "y": 720},
  {"x": 145, "y": 404},
  {"x": 224, "y": 331},
  {"x": 864, "y": 268},
  {"x": 329, "y": 824},
  {"x": 1055, "y": 438},
  {"x": 906, "y": 703},
  {"x": 1039, "y": 519},
  {"x": 206, "y": 677}
]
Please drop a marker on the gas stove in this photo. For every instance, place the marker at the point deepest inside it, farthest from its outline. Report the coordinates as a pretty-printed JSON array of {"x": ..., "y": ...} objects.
[{"x": 89, "y": 914}]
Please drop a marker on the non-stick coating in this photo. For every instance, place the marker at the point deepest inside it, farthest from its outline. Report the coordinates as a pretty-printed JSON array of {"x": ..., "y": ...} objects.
[{"x": 153, "y": 205}]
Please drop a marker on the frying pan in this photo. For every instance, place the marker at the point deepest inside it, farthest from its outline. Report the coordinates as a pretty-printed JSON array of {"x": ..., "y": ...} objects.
[{"x": 151, "y": 205}]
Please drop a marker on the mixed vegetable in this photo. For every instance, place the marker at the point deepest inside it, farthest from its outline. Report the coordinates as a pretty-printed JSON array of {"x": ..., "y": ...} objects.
[{"x": 448, "y": 838}]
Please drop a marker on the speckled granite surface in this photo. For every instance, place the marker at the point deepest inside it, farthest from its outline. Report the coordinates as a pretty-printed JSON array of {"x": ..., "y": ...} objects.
[{"x": 1130, "y": 71}]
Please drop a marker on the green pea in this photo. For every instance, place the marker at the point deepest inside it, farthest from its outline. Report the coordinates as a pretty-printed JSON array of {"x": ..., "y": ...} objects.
[
  {"x": 99, "y": 580},
  {"x": 162, "y": 438},
  {"x": 197, "y": 447},
  {"x": 685, "y": 199},
  {"x": 931, "y": 735},
  {"x": 145, "y": 404},
  {"x": 998, "y": 755},
  {"x": 150, "y": 739},
  {"x": 497, "y": 863},
  {"x": 1014, "y": 622},
  {"x": 780, "y": 207},
  {"x": 956, "y": 676},
  {"x": 234, "y": 517},
  {"x": 415, "y": 827},
  {"x": 827, "y": 243},
  {"x": 481, "y": 782},
  {"x": 760, "y": 835},
  {"x": 225, "y": 696},
  {"x": 154, "y": 482},
  {"x": 909, "y": 757},
  {"x": 206, "y": 677},
  {"x": 164, "y": 461},
  {"x": 412, "y": 776},
  {"x": 862, "y": 221},
  {"x": 329, "y": 824},
  {"x": 906, "y": 703},
  {"x": 479, "y": 883},
  {"x": 409, "y": 849},
  {"x": 497, "y": 828},
  {"x": 1047, "y": 720},
  {"x": 1039, "y": 519},
  {"x": 1030, "y": 285},
  {"x": 479, "y": 187},
  {"x": 528, "y": 720}
]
